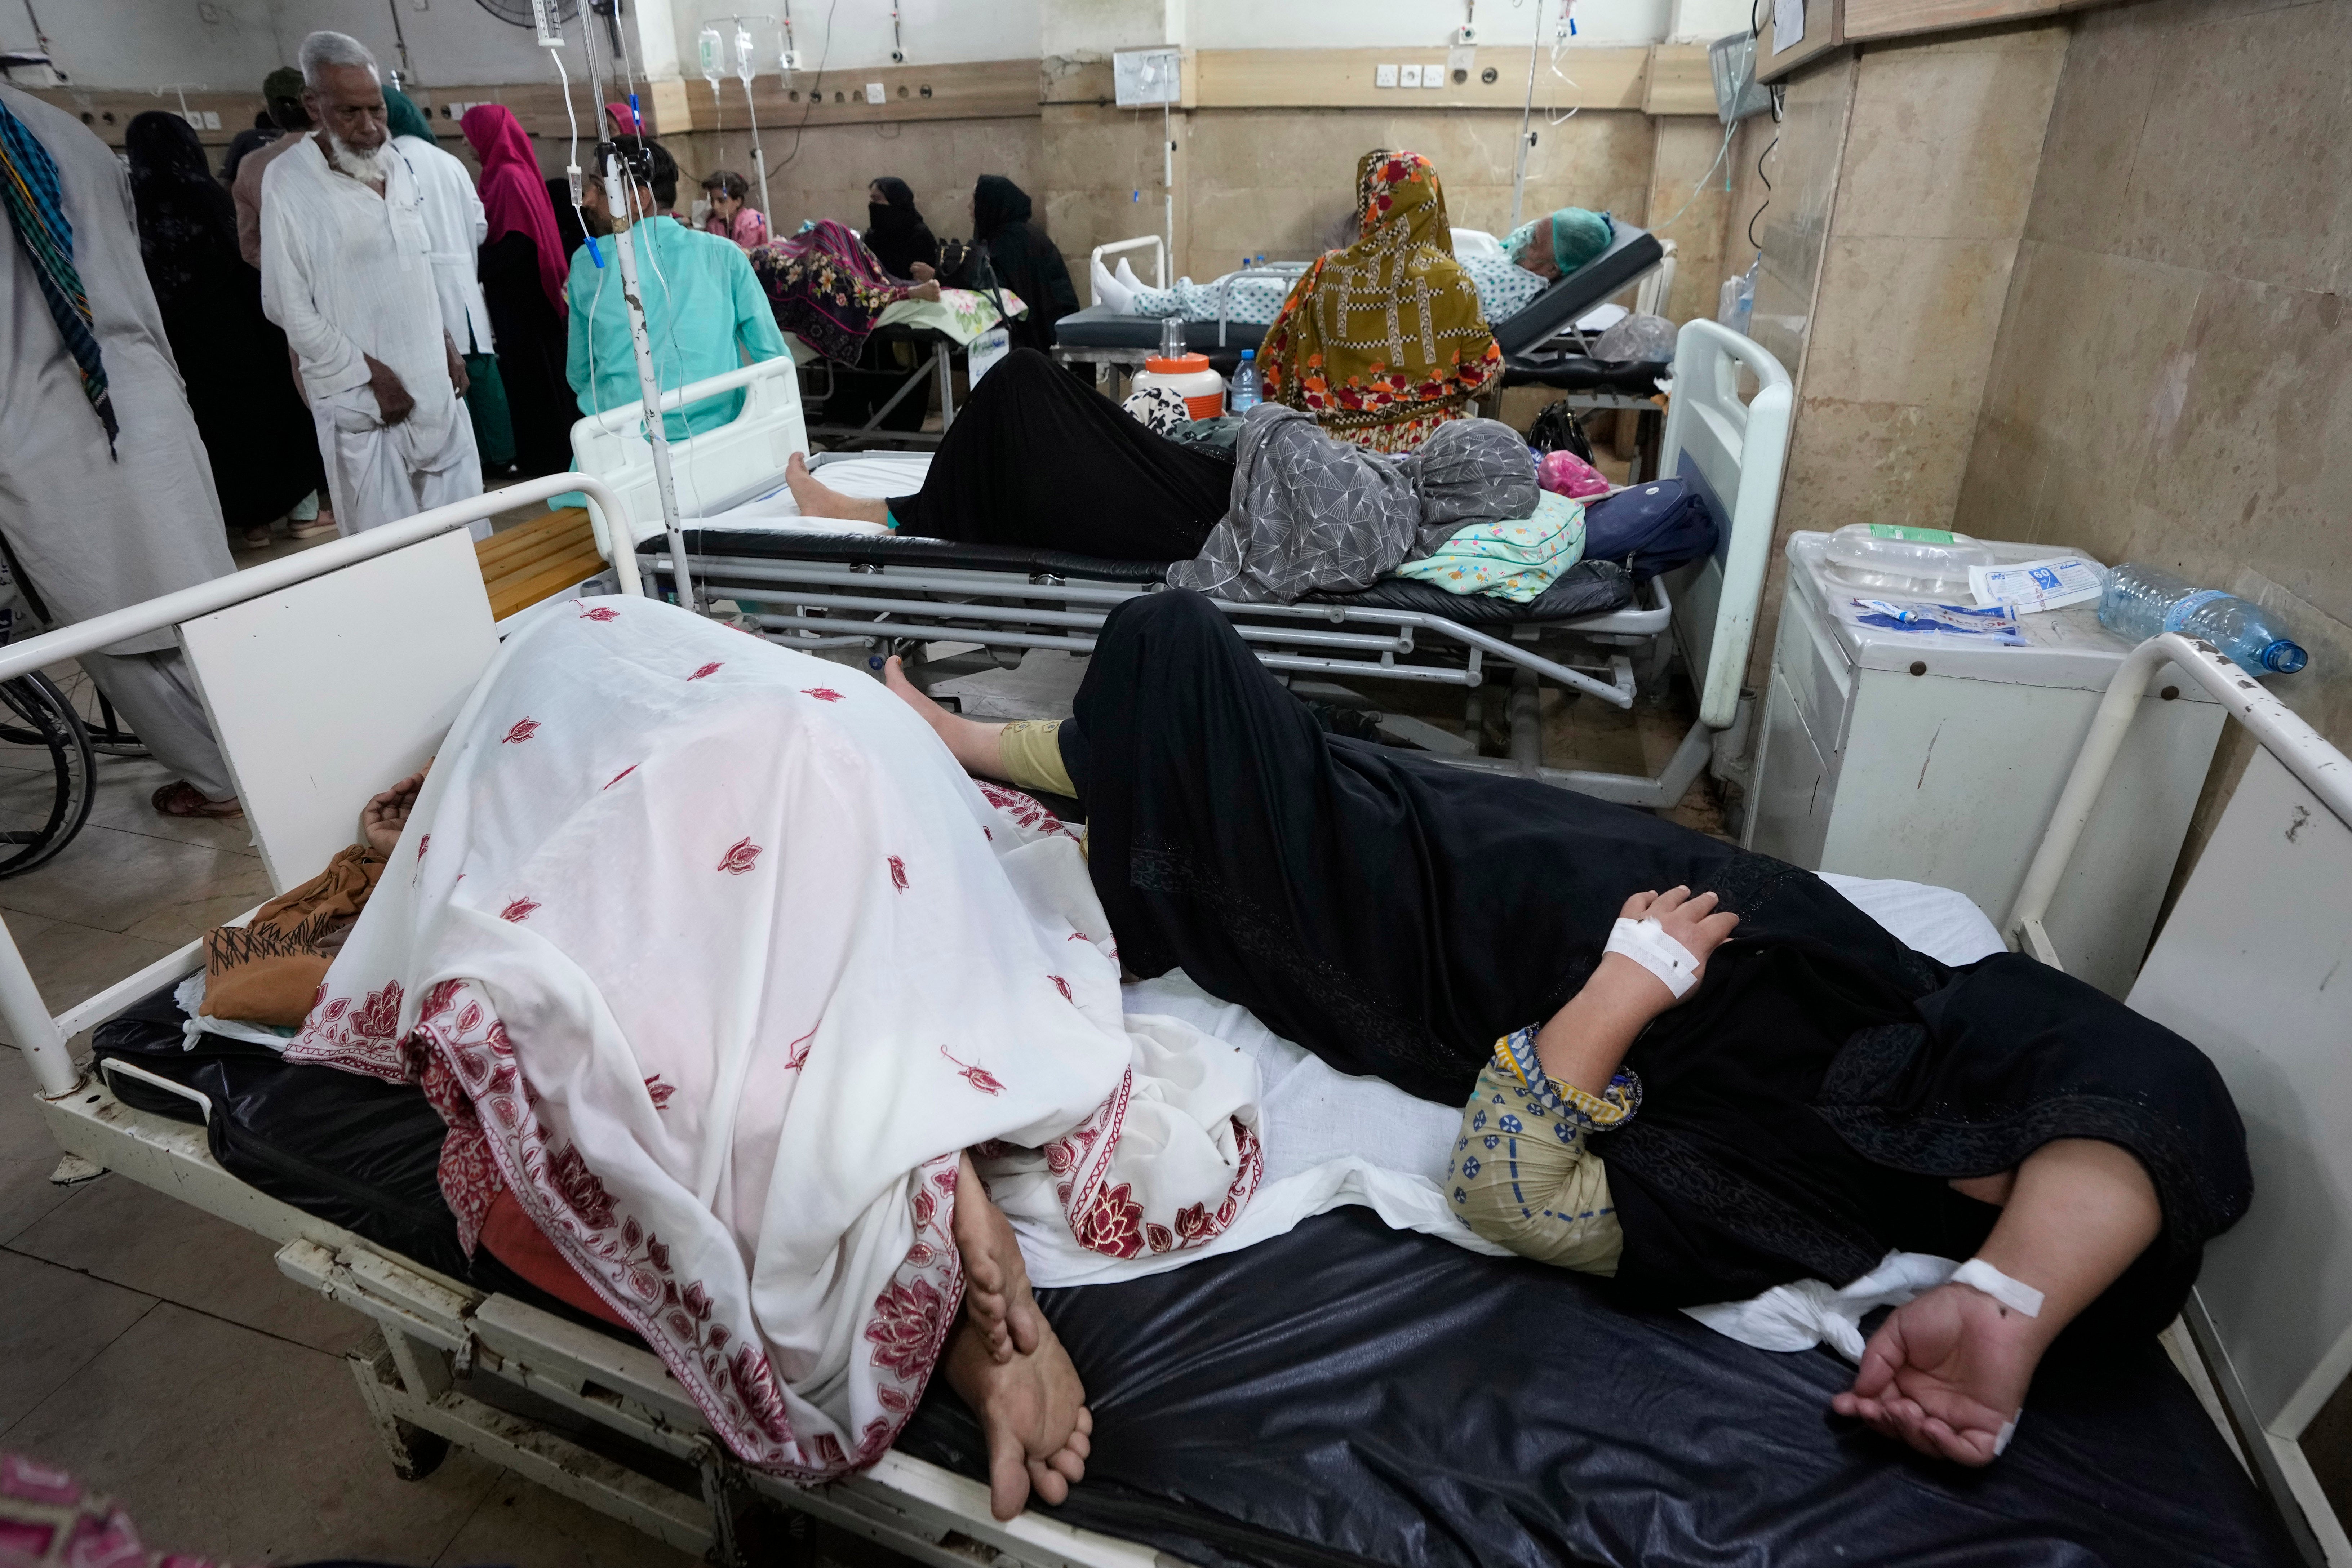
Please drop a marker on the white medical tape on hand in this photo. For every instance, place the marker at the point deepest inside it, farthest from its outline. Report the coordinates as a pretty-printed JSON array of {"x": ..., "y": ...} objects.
[
  {"x": 2008, "y": 1430},
  {"x": 1646, "y": 941},
  {"x": 2010, "y": 1293}
]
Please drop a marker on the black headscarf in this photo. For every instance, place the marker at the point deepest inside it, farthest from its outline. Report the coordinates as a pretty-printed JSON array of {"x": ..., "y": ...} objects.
[
  {"x": 1021, "y": 259},
  {"x": 186, "y": 221},
  {"x": 894, "y": 231}
]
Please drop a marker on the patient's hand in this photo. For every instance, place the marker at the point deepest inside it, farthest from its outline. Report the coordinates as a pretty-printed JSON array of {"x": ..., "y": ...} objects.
[
  {"x": 383, "y": 818},
  {"x": 922, "y": 272},
  {"x": 1690, "y": 919}
]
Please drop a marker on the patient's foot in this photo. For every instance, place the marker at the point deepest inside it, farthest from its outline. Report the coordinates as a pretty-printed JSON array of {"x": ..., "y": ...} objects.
[
  {"x": 823, "y": 500},
  {"x": 1946, "y": 1372},
  {"x": 930, "y": 290},
  {"x": 1031, "y": 1410},
  {"x": 996, "y": 1295},
  {"x": 978, "y": 747}
]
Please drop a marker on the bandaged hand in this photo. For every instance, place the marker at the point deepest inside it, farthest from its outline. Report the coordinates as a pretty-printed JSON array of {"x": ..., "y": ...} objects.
[{"x": 1663, "y": 950}]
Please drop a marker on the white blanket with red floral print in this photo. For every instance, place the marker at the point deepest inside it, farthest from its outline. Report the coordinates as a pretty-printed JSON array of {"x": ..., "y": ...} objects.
[{"x": 710, "y": 953}]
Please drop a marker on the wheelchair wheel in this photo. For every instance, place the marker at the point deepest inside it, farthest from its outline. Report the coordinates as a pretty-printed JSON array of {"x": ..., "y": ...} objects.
[
  {"x": 108, "y": 736},
  {"x": 46, "y": 789}
]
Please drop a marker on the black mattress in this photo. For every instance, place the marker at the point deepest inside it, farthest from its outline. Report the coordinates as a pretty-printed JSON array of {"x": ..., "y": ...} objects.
[
  {"x": 1347, "y": 1394},
  {"x": 1100, "y": 327},
  {"x": 1588, "y": 588}
]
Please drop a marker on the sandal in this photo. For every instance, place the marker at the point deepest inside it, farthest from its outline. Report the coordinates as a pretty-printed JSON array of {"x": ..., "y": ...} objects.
[
  {"x": 181, "y": 798},
  {"x": 320, "y": 524},
  {"x": 258, "y": 538}
]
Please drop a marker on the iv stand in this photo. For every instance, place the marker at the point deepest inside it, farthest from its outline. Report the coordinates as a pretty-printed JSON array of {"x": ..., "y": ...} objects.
[
  {"x": 751, "y": 113},
  {"x": 1526, "y": 115},
  {"x": 622, "y": 203}
]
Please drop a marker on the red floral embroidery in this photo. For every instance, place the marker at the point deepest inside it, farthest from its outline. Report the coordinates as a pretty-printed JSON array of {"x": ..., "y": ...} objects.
[
  {"x": 659, "y": 1092},
  {"x": 1022, "y": 810},
  {"x": 822, "y": 693},
  {"x": 755, "y": 1385},
  {"x": 707, "y": 670},
  {"x": 1114, "y": 1224},
  {"x": 616, "y": 778},
  {"x": 1080, "y": 936},
  {"x": 739, "y": 859},
  {"x": 1063, "y": 986},
  {"x": 897, "y": 873},
  {"x": 520, "y": 910},
  {"x": 578, "y": 1186},
  {"x": 978, "y": 1078},
  {"x": 796, "y": 1054},
  {"x": 356, "y": 1038},
  {"x": 424, "y": 842},
  {"x": 909, "y": 1323},
  {"x": 1157, "y": 1236},
  {"x": 524, "y": 729},
  {"x": 598, "y": 613}
]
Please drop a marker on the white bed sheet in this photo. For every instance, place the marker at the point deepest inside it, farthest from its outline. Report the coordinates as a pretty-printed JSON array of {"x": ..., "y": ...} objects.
[
  {"x": 1333, "y": 1138},
  {"x": 865, "y": 474}
]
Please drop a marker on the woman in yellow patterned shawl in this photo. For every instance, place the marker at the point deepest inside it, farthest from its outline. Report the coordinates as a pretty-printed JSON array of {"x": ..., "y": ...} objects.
[{"x": 1383, "y": 341}]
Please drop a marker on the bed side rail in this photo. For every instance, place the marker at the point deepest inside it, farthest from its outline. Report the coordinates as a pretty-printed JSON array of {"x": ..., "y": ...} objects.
[
  {"x": 1739, "y": 448},
  {"x": 42, "y": 1035},
  {"x": 2251, "y": 967},
  {"x": 713, "y": 468}
]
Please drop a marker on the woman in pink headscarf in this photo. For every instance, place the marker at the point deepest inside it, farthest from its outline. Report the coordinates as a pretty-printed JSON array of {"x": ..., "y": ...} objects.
[
  {"x": 625, "y": 120},
  {"x": 523, "y": 272}
]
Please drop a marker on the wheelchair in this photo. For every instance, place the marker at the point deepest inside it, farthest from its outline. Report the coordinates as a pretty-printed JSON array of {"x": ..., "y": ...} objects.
[{"x": 54, "y": 726}]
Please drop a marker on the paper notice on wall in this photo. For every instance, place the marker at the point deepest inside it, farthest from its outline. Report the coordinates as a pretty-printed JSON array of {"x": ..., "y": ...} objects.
[
  {"x": 2030, "y": 586},
  {"x": 1788, "y": 23}
]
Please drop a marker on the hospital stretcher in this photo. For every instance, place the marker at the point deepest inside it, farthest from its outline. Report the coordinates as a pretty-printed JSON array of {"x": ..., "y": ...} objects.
[
  {"x": 932, "y": 330},
  {"x": 892, "y": 594},
  {"x": 1541, "y": 345},
  {"x": 1342, "y": 1394}
]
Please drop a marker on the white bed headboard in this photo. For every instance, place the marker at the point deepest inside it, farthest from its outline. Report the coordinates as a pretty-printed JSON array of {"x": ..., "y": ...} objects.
[
  {"x": 717, "y": 468},
  {"x": 1734, "y": 452},
  {"x": 325, "y": 692}
]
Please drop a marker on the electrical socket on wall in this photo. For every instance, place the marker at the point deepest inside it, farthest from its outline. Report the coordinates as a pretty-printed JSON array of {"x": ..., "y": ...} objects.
[
  {"x": 1409, "y": 77},
  {"x": 1384, "y": 76},
  {"x": 874, "y": 93},
  {"x": 1433, "y": 76}
]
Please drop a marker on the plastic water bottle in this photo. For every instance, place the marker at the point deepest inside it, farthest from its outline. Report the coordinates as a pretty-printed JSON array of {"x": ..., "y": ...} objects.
[
  {"x": 2143, "y": 600},
  {"x": 1243, "y": 397}
]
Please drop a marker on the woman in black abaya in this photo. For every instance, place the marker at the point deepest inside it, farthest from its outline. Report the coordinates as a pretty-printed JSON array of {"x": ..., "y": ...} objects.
[
  {"x": 258, "y": 431},
  {"x": 1009, "y": 250},
  {"x": 1823, "y": 1096}
]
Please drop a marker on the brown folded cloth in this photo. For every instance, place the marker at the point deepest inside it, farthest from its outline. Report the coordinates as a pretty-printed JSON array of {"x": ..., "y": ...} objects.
[{"x": 267, "y": 972}]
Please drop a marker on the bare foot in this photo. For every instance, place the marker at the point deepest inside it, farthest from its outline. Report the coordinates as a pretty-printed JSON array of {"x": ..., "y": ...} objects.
[
  {"x": 929, "y": 289},
  {"x": 1033, "y": 1411},
  {"x": 997, "y": 1300},
  {"x": 977, "y": 747},
  {"x": 815, "y": 500},
  {"x": 1946, "y": 1373}
]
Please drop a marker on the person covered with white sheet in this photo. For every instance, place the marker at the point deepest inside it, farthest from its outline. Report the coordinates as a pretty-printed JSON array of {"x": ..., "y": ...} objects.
[
  {"x": 347, "y": 271},
  {"x": 705, "y": 314},
  {"x": 1702, "y": 1094},
  {"x": 718, "y": 967},
  {"x": 106, "y": 494}
]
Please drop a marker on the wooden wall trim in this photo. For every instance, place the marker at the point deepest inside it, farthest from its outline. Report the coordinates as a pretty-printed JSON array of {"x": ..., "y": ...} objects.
[
  {"x": 1824, "y": 31},
  {"x": 1880, "y": 19},
  {"x": 971, "y": 90},
  {"x": 1613, "y": 77},
  {"x": 109, "y": 111},
  {"x": 1680, "y": 81}
]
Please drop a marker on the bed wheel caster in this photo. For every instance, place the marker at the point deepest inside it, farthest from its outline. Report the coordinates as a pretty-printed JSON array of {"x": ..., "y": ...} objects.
[
  {"x": 416, "y": 1453},
  {"x": 72, "y": 1170}
]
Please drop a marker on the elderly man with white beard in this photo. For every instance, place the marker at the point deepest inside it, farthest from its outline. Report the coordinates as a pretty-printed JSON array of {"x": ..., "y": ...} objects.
[{"x": 347, "y": 270}]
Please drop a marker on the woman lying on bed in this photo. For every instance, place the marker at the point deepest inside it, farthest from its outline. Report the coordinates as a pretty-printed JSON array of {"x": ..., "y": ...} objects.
[
  {"x": 1036, "y": 460},
  {"x": 1704, "y": 1094},
  {"x": 718, "y": 966}
]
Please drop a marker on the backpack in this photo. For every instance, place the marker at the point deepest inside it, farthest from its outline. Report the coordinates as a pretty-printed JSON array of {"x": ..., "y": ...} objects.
[{"x": 1651, "y": 527}]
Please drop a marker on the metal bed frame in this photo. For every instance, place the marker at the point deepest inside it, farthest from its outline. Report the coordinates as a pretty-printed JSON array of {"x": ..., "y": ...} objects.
[
  {"x": 1733, "y": 449},
  {"x": 452, "y": 1363}
]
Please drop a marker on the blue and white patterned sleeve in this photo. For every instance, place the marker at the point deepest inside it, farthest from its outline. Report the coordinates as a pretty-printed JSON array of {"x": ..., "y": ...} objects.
[
  {"x": 1504, "y": 287},
  {"x": 1522, "y": 1176}
]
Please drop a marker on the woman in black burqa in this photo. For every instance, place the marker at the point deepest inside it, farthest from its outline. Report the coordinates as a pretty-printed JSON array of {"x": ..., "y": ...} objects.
[
  {"x": 1017, "y": 257},
  {"x": 896, "y": 232},
  {"x": 258, "y": 431},
  {"x": 1823, "y": 1096}
]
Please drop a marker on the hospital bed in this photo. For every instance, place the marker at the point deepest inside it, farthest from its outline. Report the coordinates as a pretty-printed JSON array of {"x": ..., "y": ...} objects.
[
  {"x": 1342, "y": 1394},
  {"x": 939, "y": 330},
  {"x": 1541, "y": 345},
  {"x": 885, "y": 593}
]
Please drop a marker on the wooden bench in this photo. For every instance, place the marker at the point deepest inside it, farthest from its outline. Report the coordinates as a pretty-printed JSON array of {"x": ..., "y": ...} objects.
[{"x": 538, "y": 560}]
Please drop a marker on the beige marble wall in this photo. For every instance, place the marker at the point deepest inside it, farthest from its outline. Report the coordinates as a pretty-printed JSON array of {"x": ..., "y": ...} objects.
[
  {"x": 826, "y": 176},
  {"x": 2173, "y": 377},
  {"x": 1901, "y": 186},
  {"x": 1687, "y": 203}
]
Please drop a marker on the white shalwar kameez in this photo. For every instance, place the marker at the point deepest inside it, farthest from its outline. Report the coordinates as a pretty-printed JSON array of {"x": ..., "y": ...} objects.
[
  {"x": 93, "y": 531},
  {"x": 349, "y": 274},
  {"x": 455, "y": 226}
]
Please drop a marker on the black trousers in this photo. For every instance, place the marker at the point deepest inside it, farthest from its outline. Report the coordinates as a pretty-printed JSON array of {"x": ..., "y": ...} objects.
[
  {"x": 1038, "y": 458},
  {"x": 1803, "y": 1110}
]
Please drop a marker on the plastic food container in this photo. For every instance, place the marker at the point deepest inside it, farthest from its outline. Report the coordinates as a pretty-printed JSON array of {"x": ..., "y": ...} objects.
[{"x": 1190, "y": 377}]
